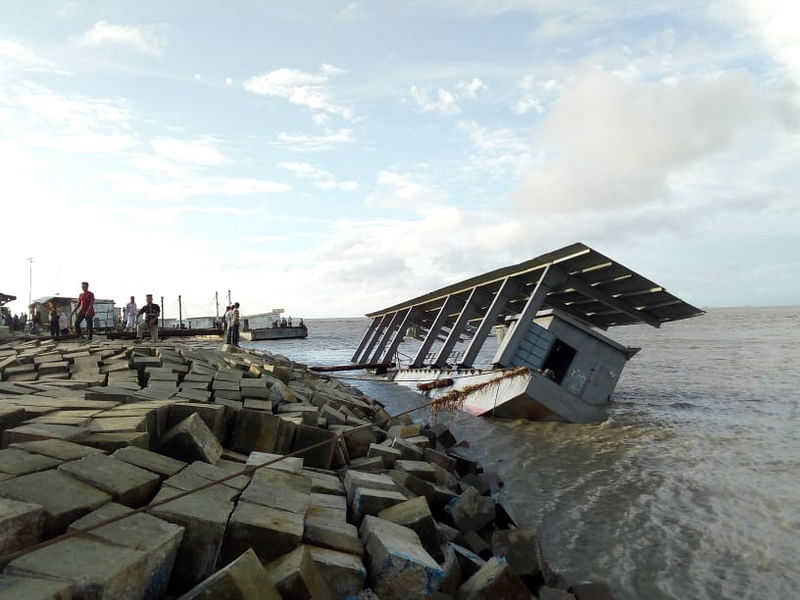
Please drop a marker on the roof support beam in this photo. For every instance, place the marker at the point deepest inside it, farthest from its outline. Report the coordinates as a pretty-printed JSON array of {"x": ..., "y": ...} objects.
[
  {"x": 365, "y": 338},
  {"x": 475, "y": 296},
  {"x": 550, "y": 277},
  {"x": 450, "y": 303},
  {"x": 510, "y": 287},
  {"x": 390, "y": 329},
  {"x": 375, "y": 337},
  {"x": 407, "y": 319},
  {"x": 580, "y": 285}
]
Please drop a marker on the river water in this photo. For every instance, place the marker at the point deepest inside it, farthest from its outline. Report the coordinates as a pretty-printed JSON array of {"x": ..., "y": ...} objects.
[{"x": 690, "y": 490}]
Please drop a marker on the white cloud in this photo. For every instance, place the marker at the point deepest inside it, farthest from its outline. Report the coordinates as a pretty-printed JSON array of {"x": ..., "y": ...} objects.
[
  {"x": 199, "y": 152},
  {"x": 145, "y": 39},
  {"x": 536, "y": 94},
  {"x": 777, "y": 22},
  {"x": 314, "y": 143},
  {"x": 405, "y": 191},
  {"x": 26, "y": 58},
  {"x": 444, "y": 104},
  {"x": 322, "y": 179},
  {"x": 498, "y": 151},
  {"x": 179, "y": 188},
  {"x": 609, "y": 142},
  {"x": 52, "y": 120},
  {"x": 470, "y": 89},
  {"x": 301, "y": 88}
]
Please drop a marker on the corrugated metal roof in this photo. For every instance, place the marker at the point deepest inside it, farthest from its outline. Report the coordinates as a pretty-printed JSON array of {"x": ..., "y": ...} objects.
[{"x": 593, "y": 288}]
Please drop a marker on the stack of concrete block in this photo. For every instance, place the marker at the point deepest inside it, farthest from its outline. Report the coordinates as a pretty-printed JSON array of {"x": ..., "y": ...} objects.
[{"x": 369, "y": 502}]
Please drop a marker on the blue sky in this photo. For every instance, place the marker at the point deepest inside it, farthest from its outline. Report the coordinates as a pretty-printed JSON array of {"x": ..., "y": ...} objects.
[{"x": 332, "y": 157}]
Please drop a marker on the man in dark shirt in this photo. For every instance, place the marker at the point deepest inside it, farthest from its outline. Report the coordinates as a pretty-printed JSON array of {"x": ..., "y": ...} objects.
[{"x": 151, "y": 313}]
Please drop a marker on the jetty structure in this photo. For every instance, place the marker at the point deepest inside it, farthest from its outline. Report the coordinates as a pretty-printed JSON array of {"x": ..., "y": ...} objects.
[
  {"x": 553, "y": 360},
  {"x": 141, "y": 471}
]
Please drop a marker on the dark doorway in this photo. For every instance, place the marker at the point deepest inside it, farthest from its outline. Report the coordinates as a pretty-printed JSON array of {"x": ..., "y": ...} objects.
[{"x": 559, "y": 360}]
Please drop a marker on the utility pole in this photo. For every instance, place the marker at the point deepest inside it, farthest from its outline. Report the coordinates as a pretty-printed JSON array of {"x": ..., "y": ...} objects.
[
  {"x": 30, "y": 281},
  {"x": 229, "y": 298},
  {"x": 162, "y": 312},
  {"x": 180, "y": 313},
  {"x": 216, "y": 301}
]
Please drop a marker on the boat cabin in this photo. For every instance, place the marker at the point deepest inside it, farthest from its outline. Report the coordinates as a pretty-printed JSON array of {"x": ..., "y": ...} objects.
[{"x": 580, "y": 359}]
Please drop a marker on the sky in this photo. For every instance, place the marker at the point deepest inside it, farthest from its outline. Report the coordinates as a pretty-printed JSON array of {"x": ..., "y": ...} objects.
[{"x": 335, "y": 157}]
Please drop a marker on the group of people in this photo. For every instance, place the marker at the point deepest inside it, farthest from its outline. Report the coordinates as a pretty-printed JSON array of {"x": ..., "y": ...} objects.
[
  {"x": 15, "y": 323},
  {"x": 283, "y": 322},
  {"x": 230, "y": 324}
]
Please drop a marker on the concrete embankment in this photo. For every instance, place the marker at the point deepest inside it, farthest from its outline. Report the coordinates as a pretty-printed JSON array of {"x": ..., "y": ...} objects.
[{"x": 178, "y": 469}]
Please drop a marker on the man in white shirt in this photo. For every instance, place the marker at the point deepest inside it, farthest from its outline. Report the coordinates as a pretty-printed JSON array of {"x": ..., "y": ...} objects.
[{"x": 131, "y": 311}]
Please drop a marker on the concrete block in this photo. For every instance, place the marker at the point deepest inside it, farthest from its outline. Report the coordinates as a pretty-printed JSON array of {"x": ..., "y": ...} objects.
[
  {"x": 320, "y": 457},
  {"x": 276, "y": 496},
  {"x": 328, "y": 528},
  {"x": 419, "y": 468},
  {"x": 242, "y": 579},
  {"x": 213, "y": 415},
  {"x": 127, "y": 484},
  {"x": 470, "y": 511},
  {"x": 32, "y": 588},
  {"x": 158, "y": 539},
  {"x": 496, "y": 579},
  {"x": 367, "y": 501},
  {"x": 203, "y": 519},
  {"x": 377, "y": 481},
  {"x": 439, "y": 458},
  {"x": 21, "y": 525},
  {"x": 292, "y": 464},
  {"x": 40, "y": 431},
  {"x": 388, "y": 454},
  {"x": 452, "y": 571},
  {"x": 404, "y": 431},
  {"x": 469, "y": 562},
  {"x": 408, "y": 450},
  {"x": 551, "y": 593},
  {"x": 522, "y": 550},
  {"x": 358, "y": 441},
  {"x": 343, "y": 573},
  {"x": 596, "y": 590},
  {"x": 111, "y": 441},
  {"x": 399, "y": 567},
  {"x": 191, "y": 440},
  {"x": 476, "y": 543},
  {"x": 151, "y": 461},
  {"x": 257, "y": 430},
  {"x": 416, "y": 515},
  {"x": 268, "y": 531},
  {"x": 18, "y": 462},
  {"x": 256, "y": 404},
  {"x": 97, "y": 571},
  {"x": 298, "y": 481},
  {"x": 63, "y": 498},
  {"x": 297, "y": 577}
]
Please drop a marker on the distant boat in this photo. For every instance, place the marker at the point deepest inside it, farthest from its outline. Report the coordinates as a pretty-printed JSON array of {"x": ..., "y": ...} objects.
[{"x": 274, "y": 333}]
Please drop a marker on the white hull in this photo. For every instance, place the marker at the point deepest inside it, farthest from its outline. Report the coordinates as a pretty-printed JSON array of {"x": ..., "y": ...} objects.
[{"x": 508, "y": 393}]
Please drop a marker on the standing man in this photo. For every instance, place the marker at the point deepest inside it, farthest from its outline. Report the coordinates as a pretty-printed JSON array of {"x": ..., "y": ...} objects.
[
  {"x": 151, "y": 312},
  {"x": 130, "y": 311},
  {"x": 85, "y": 310},
  {"x": 226, "y": 319},
  {"x": 235, "y": 325}
]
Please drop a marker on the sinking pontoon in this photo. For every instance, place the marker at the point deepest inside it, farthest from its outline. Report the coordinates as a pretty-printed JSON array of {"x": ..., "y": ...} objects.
[{"x": 553, "y": 361}]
